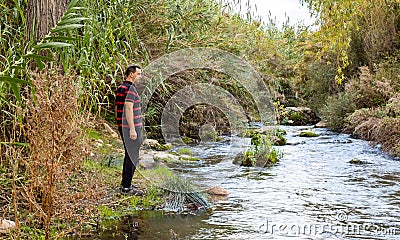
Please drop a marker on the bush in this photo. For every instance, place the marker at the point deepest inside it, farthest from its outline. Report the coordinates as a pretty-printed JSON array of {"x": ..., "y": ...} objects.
[
  {"x": 370, "y": 90},
  {"x": 337, "y": 108},
  {"x": 379, "y": 125},
  {"x": 320, "y": 83},
  {"x": 54, "y": 127},
  {"x": 261, "y": 153}
]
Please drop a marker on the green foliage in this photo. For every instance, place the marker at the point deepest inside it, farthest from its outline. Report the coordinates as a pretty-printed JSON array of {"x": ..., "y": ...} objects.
[
  {"x": 188, "y": 140},
  {"x": 50, "y": 44},
  {"x": 337, "y": 108},
  {"x": 261, "y": 156},
  {"x": 372, "y": 23},
  {"x": 261, "y": 153},
  {"x": 33, "y": 233},
  {"x": 280, "y": 132},
  {"x": 135, "y": 201},
  {"x": 92, "y": 133},
  {"x": 372, "y": 89},
  {"x": 189, "y": 158},
  {"x": 185, "y": 151},
  {"x": 319, "y": 83},
  {"x": 106, "y": 213},
  {"x": 153, "y": 197}
]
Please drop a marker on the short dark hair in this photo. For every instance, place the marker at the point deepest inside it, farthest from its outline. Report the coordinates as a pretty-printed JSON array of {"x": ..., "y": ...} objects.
[{"x": 131, "y": 69}]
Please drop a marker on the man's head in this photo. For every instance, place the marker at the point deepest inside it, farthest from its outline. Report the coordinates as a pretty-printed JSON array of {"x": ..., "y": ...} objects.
[{"x": 133, "y": 73}]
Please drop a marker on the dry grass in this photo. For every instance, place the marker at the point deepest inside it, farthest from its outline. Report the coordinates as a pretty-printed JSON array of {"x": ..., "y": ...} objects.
[
  {"x": 377, "y": 120},
  {"x": 379, "y": 125},
  {"x": 50, "y": 188}
]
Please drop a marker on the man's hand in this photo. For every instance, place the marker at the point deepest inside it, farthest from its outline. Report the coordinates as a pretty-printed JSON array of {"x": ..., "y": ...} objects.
[{"x": 133, "y": 134}]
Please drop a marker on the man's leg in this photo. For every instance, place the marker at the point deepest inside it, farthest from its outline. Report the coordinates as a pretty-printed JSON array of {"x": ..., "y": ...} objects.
[{"x": 131, "y": 159}]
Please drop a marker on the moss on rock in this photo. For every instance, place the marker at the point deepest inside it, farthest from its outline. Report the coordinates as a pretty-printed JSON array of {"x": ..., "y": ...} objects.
[{"x": 308, "y": 134}]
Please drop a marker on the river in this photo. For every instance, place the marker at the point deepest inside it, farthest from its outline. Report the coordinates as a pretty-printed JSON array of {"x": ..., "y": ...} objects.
[{"x": 314, "y": 192}]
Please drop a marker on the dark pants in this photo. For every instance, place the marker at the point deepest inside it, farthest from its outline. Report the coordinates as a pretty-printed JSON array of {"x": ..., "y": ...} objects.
[{"x": 131, "y": 158}]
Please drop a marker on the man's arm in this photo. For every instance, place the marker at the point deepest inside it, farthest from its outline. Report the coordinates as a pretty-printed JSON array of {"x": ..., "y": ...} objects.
[{"x": 129, "y": 118}]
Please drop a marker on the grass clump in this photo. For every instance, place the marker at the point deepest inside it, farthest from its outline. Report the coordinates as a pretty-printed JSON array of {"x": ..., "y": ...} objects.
[
  {"x": 261, "y": 152},
  {"x": 185, "y": 151},
  {"x": 178, "y": 193},
  {"x": 183, "y": 194}
]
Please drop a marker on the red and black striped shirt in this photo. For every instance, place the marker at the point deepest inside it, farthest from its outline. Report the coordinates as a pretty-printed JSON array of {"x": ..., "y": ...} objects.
[{"x": 126, "y": 92}]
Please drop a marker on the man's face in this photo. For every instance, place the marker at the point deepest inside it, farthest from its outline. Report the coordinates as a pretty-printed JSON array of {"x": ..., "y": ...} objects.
[{"x": 137, "y": 75}]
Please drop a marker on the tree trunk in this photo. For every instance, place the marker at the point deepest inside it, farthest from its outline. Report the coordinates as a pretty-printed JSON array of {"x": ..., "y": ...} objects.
[{"x": 42, "y": 15}]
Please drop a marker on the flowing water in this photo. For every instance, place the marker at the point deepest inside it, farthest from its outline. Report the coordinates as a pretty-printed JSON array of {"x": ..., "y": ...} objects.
[{"x": 314, "y": 192}]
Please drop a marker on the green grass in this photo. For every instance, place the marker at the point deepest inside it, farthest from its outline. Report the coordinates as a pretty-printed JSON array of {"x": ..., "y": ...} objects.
[
  {"x": 185, "y": 151},
  {"x": 92, "y": 133}
]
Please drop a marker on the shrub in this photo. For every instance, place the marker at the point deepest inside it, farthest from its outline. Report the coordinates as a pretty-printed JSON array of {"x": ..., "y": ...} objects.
[
  {"x": 337, "y": 108},
  {"x": 378, "y": 126},
  {"x": 57, "y": 148},
  {"x": 369, "y": 89},
  {"x": 320, "y": 83},
  {"x": 260, "y": 153}
]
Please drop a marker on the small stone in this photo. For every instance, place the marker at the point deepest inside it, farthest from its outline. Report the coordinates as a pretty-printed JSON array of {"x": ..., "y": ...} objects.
[
  {"x": 98, "y": 143},
  {"x": 321, "y": 124},
  {"x": 162, "y": 156},
  {"x": 110, "y": 130},
  {"x": 217, "y": 191},
  {"x": 358, "y": 161},
  {"x": 6, "y": 226}
]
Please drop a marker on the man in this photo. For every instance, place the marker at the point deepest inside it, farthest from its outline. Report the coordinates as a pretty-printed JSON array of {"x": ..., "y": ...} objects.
[{"x": 129, "y": 119}]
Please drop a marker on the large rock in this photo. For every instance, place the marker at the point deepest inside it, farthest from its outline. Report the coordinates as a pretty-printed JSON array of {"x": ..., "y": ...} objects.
[
  {"x": 300, "y": 116},
  {"x": 151, "y": 144},
  {"x": 154, "y": 144},
  {"x": 6, "y": 225}
]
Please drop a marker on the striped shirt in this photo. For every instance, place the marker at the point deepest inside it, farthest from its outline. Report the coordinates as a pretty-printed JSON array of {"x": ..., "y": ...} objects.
[{"x": 126, "y": 92}]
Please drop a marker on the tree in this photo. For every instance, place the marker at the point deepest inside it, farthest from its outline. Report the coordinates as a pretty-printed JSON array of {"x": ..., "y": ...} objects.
[
  {"x": 375, "y": 22},
  {"x": 42, "y": 16},
  {"x": 48, "y": 39}
]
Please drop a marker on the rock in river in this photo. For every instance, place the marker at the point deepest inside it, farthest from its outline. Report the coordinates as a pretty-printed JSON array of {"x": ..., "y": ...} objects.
[{"x": 300, "y": 116}]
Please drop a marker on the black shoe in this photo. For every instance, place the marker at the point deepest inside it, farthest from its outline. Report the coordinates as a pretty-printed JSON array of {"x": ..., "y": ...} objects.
[{"x": 131, "y": 191}]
